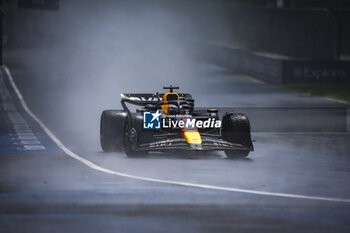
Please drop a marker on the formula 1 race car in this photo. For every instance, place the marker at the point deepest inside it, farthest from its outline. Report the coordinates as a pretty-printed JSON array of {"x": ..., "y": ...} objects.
[{"x": 169, "y": 122}]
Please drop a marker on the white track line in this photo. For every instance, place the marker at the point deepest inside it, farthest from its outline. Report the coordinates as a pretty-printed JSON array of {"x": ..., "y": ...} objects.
[{"x": 193, "y": 185}]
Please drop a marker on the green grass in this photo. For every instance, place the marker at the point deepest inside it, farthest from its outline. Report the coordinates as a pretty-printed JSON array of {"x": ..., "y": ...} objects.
[{"x": 335, "y": 91}]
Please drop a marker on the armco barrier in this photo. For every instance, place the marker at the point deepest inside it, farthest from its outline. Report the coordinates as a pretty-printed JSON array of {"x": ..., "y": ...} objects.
[{"x": 276, "y": 69}]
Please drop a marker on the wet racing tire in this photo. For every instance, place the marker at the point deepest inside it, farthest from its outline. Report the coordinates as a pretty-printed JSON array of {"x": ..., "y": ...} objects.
[
  {"x": 111, "y": 130},
  {"x": 236, "y": 129}
]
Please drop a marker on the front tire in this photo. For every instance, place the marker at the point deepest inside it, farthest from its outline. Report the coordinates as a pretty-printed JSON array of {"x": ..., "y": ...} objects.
[
  {"x": 236, "y": 129},
  {"x": 111, "y": 130}
]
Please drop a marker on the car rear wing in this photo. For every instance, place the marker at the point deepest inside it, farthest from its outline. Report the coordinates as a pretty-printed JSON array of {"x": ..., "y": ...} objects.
[{"x": 142, "y": 99}]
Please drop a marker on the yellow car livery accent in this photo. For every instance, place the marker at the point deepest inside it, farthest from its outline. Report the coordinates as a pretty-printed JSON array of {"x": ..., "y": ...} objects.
[
  {"x": 173, "y": 96},
  {"x": 192, "y": 137},
  {"x": 165, "y": 107}
]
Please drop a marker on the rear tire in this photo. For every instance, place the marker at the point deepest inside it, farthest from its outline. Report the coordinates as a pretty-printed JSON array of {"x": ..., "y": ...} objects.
[
  {"x": 111, "y": 130},
  {"x": 236, "y": 129}
]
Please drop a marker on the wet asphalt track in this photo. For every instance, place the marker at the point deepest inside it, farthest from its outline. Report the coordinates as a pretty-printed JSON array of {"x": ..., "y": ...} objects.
[{"x": 48, "y": 191}]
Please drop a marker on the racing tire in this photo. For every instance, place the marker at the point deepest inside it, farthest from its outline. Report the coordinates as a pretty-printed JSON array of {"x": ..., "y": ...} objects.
[
  {"x": 111, "y": 130},
  {"x": 236, "y": 129},
  {"x": 129, "y": 145}
]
